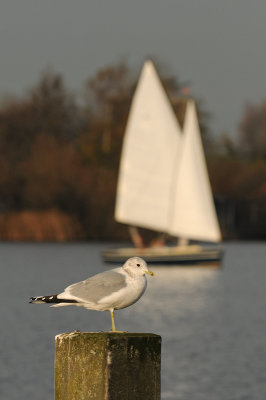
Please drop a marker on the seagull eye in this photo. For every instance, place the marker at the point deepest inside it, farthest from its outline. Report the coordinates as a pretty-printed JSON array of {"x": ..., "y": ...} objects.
[{"x": 138, "y": 265}]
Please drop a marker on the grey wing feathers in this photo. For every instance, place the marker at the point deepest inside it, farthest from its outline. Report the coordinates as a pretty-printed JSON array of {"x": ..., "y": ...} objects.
[{"x": 97, "y": 287}]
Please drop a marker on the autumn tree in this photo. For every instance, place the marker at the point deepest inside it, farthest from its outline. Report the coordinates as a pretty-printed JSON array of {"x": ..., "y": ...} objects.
[
  {"x": 107, "y": 99},
  {"x": 47, "y": 110},
  {"x": 252, "y": 131}
]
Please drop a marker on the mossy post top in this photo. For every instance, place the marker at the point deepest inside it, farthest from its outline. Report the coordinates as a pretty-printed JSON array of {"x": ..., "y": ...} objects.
[{"x": 75, "y": 334}]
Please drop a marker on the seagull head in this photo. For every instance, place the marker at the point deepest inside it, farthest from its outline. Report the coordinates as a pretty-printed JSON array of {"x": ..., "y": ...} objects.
[{"x": 136, "y": 266}]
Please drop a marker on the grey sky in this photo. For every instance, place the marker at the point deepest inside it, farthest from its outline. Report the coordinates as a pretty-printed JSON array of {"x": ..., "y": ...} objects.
[{"x": 217, "y": 45}]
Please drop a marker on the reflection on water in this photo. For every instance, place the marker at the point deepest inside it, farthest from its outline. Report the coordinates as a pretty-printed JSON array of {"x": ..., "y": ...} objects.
[
  {"x": 175, "y": 292},
  {"x": 212, "y": 321}
]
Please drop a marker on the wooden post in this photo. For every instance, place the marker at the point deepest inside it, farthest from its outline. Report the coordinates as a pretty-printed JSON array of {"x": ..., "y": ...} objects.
[{"x": 107, "y": 366}]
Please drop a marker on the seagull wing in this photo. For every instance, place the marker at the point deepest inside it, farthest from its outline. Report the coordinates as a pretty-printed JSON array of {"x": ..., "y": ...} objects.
[{"x": 93, "y": 289}]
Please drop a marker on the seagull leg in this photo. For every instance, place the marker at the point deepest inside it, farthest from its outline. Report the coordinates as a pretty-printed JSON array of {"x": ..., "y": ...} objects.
[{"x": 113, "y": 320}]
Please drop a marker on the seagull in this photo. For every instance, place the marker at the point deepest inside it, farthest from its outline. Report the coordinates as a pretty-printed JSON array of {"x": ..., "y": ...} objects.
[{"x": 107, "y": 291}]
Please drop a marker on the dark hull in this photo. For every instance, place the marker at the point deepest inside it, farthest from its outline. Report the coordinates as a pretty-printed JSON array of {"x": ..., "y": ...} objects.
[{"x": 187, "y": 255}]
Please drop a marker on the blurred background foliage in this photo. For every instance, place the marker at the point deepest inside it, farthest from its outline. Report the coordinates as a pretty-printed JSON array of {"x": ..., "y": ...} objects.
[{"x": 59, "y": 159}]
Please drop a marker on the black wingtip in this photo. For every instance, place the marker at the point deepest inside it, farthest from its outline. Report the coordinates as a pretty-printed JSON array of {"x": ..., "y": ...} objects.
[
  {"x": 50, "y": 299},
  {"x": 33, "y": 300}
]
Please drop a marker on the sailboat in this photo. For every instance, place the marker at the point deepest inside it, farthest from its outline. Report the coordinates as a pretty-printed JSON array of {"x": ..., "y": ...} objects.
[{"x": 163, "y": 182}]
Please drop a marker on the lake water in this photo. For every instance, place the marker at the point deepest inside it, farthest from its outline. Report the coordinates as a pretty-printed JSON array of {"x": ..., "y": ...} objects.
[{"x": 212, "y": 322}]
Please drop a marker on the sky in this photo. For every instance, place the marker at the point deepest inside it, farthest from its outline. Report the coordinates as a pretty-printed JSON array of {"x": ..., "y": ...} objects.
[{"x": 219, "y": 46}]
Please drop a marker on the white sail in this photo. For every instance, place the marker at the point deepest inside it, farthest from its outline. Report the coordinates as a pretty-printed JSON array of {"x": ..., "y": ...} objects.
[
  {"x": 150, "y": 151},
  {"x": 194, "y": 215}
]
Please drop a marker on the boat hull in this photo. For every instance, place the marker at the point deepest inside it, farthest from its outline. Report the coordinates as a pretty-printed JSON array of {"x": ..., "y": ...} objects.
[{"x": 186, "y": 255}]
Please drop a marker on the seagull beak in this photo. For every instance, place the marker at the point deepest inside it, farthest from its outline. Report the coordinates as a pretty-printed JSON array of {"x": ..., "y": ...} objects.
[{"x": 149, "y": 272}]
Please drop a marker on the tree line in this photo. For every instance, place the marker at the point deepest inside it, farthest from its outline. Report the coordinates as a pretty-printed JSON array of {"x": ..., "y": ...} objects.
[{"x": 59, "y": 159}]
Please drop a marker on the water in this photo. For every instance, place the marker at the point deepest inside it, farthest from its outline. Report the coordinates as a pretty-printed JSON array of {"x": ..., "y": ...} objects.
[{"x": 212, "y": 322}]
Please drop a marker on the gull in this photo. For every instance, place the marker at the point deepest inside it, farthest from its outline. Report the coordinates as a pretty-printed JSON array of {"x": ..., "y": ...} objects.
[{"x": 107, "y": 291}]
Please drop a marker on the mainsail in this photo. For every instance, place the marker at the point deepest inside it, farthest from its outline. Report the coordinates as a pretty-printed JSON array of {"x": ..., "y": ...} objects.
[
  {"x": 150, "y": 152},
  {"x": 193, "y": 214}
]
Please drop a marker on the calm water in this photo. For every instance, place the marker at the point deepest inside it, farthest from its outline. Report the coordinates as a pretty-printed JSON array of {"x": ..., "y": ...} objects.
[{"x": 213, "y": 322}]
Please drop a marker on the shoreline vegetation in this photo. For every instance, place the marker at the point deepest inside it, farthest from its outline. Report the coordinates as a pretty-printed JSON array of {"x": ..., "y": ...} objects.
[
  {"x": 42, "y": 226},
  {"x": 60, "y": 152}
]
